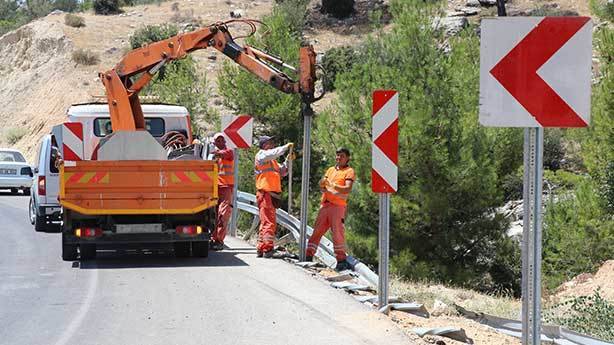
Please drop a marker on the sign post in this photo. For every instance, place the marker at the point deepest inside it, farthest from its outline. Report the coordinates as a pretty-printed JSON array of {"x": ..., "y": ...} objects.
[
  {"x": 535, "y": 72},
  {"x": 384, "y": 161},
  {"x": 238, "y": 131}
]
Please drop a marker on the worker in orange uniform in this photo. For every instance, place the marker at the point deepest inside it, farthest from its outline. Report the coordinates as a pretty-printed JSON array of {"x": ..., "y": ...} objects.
[
  {"x": 335, "y": 187},
  {"x": 225, "y": 162},
  {"x": 268, "y": 195}
]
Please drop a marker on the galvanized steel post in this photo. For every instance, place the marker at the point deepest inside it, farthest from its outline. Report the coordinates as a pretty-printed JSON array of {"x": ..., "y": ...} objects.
[
  {"x": 384, "y": 246},
  {"x": 532, "y": 236},
  {"x": 307, "y": 113}
]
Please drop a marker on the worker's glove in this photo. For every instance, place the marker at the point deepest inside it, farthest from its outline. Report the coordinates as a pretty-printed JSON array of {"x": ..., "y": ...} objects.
[
  {"x": 291, "y": 157},
  {"x": 323, "y": 183},
  {"x": 289, "y": 146}
]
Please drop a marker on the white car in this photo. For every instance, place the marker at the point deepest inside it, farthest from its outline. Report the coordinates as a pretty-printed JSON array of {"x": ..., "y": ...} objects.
[{"x": 15, "y": 172}]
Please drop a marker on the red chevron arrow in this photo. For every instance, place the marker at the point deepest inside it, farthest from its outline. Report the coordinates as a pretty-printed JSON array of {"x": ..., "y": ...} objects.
[
  {"x": 232, "y": 131},
  {"x": 517, "y": 71}
]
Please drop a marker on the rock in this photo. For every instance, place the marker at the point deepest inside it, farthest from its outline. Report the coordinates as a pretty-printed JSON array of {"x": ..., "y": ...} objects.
[
  {"x": 236, "y": 13},
  {"x": 473, "y": 3},
  {"x": 56, "y": 12},
  {"x": 455, "y": 14},
  {"x": 470, "y": 11},
  {"x": 439, "y": 308},
  {"x": 452, "y": 25},
  {"x": 488, "y": 2},
  {"x": 212, "y": 56}
]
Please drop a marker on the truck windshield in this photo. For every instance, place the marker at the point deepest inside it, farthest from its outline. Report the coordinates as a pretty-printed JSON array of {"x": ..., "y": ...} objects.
[
  {"x": 155, "y": 126},
  {"x": 11, "y": 156}
]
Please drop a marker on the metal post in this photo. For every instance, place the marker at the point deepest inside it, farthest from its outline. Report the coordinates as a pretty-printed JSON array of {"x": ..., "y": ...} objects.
[
  {"x": 532, "y": 236},
  {"x": 235, "y": 192},
  {"x": 384, "y": 236},
  {"x": 307, "y": 115},
  {"x": 291, "y": 163}
]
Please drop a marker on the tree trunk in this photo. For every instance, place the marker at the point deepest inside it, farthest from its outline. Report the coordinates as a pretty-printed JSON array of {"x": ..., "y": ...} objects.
[{"x": 338, "y": 8}]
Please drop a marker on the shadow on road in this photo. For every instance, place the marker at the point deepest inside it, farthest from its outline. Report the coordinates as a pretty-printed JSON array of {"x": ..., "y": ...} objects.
[{"x": 161, "y": 259}]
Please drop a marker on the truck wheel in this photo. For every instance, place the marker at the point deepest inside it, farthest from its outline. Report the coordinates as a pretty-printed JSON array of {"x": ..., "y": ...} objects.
[
  {"x": 14, "y": 191},
  {"x": 69, "y": 251},
  {"x": 200, "y": 249},
  {"x": 26, "y": 191},
  {"x": 32, "y": 212},
  {"x": 87, "y": 251},
  {"x": 182, "y": 249}
]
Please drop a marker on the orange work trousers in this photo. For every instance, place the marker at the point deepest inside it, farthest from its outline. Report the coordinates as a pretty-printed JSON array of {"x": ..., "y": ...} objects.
[
  {"x": 224, "y": 211},
  {"x": 330, "y": 216},
  {"x": 268, "y": 222}
]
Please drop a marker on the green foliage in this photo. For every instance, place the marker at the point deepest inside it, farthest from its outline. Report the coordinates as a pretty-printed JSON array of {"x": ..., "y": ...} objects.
[
  {"x": 578, "y": 234},
  {"x": 152, "y": 33},
  {"x": 443, "y": 219},
  {"x": 337, "y": 60},
  {"x": 178, "y": 82},
  {"x": 85, "y": 57},
  {"x": 107, "y": 7},
  {"x": 553, "y": 148},
  {"x": 13, "y": 135},
  {"x": 592, "y": 315},
  {"x": 74, "y": 20},
  {"x": 603, "y": 9}
]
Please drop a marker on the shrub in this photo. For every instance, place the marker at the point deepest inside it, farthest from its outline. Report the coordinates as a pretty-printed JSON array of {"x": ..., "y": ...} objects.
[
  {"x": 74, "y": 20},
  {"x": 85, "y": 57},
  {"x": 592, "y": 315},
  {"x": 337, "y": 60},
  {"x": 107, "y": 7},
  {"x": 14, "y": 134},
  {"x": 152, "y": 33},
  {"x": 603, "y": 9},
  {"x": 338, "y": 8}
]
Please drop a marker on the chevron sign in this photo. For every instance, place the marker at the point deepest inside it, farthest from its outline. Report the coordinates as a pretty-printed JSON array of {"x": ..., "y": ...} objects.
[
  {"x": 385, "y": 147},
  {"x": 72, "y": 141},
  {"x": 238, "y": 130},
  {"x": 535, "y": 72}
]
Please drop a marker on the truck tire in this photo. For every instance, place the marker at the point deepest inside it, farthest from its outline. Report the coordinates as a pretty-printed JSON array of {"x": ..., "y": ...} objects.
[
  {"x": 69, "y": 251},
  {"x": 200, "y": 249},
  {"x": 14, "y": 191},
  {"x": 182, "y": 249},
  {"x": 87, "y": 251},
  {"x": 26, "y": 191}
]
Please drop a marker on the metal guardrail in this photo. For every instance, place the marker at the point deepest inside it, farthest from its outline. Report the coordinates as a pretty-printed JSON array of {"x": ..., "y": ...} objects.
[
  {"x": 555, "y": 334},
  {"x": 247, "y": 202}
]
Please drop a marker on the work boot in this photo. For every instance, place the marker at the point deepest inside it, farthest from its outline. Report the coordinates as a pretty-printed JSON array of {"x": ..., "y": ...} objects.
[
  {"x": 342, "y": 266},
  {"x": 272, "y": 254},
  {"x": 217, "y": 246},
  {"x": 309, "y": 258}
]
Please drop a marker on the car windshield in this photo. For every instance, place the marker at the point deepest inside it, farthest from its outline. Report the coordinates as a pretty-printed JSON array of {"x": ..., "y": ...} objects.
[{"x": 11, "y": 156}]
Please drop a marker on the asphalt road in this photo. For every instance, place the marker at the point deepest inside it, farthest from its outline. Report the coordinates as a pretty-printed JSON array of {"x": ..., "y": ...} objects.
[{"x": 232, "y": 297}]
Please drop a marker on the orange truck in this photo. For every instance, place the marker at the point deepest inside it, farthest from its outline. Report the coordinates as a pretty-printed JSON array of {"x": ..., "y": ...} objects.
[{"x": 139, "y": 189}]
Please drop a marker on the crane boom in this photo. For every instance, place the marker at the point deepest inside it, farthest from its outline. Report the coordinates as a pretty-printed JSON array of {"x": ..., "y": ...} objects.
[{"x": 143, "y": 63}]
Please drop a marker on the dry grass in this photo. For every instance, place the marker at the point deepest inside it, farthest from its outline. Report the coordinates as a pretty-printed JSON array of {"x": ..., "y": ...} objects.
[
  {"x": 428, "y": 293},
  {"x": 85, "y": 57},
  {"x": 74, "y": 20}
]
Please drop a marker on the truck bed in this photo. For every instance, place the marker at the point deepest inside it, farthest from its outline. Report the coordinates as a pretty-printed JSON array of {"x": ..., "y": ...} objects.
[{"x": 139, "y": 187}]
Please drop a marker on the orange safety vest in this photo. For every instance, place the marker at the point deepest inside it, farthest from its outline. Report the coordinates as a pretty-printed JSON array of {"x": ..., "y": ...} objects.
[
  {"x": 338, "y": 176},
  {"x": 225, "y": 172},
  {"x": 268, "y": 177}
]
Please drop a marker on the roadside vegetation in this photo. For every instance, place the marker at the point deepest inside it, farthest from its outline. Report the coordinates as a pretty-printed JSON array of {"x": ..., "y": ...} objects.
[
  {"x": 85, "y": 57},
  {"x": 14, "y": 134},
  {"x": 74, "y": 20}
]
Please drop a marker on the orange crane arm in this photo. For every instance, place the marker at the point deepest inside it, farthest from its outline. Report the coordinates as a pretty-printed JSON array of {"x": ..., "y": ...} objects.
[{"x": 143, "y": 63}]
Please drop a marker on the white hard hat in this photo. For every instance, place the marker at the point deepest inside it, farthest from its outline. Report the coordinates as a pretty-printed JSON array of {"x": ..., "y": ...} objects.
[{"x": 217, "y": 135}]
